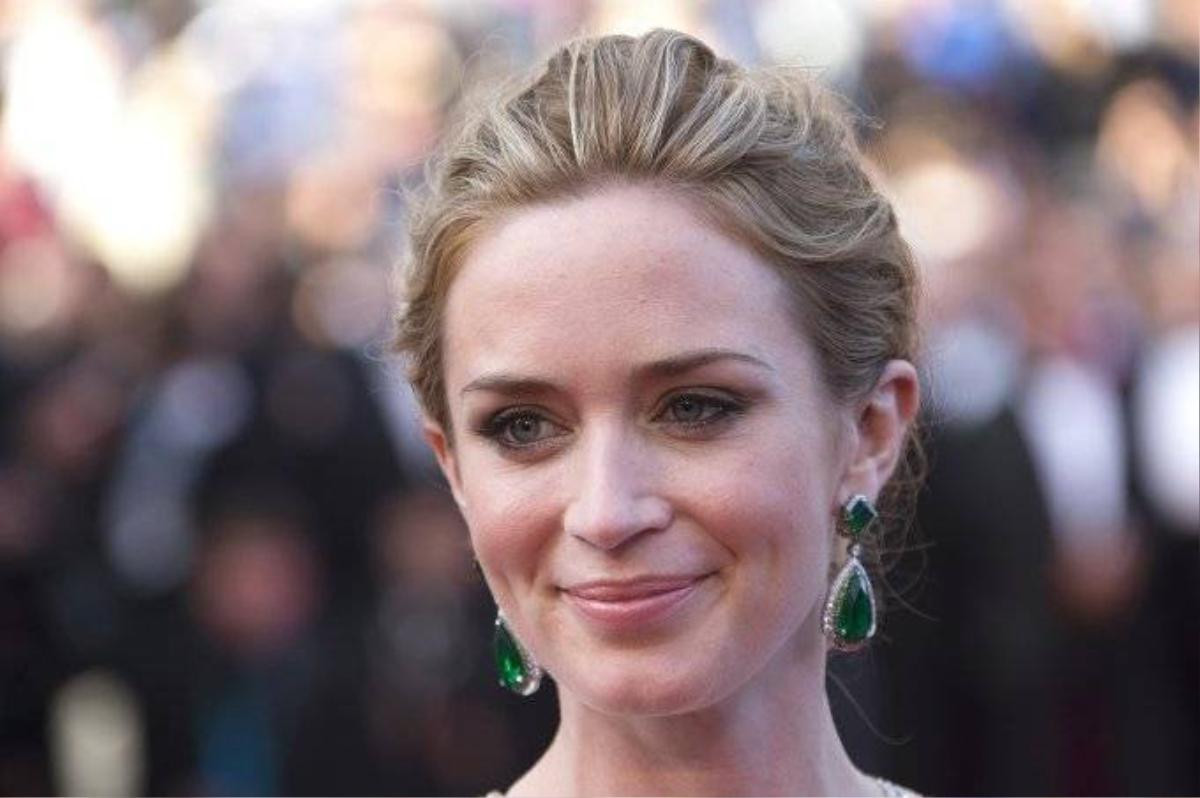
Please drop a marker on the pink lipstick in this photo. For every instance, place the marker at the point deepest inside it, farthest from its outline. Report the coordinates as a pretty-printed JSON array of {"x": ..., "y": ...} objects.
[{"x": 626, "y": 605}]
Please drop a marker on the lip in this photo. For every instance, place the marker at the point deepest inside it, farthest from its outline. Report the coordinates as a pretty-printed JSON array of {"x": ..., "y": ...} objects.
[{"x": 627, "y": 605}]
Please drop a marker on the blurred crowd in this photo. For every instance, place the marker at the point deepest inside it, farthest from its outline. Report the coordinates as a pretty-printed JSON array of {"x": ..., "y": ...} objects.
[{"x": 227, "y": 566}]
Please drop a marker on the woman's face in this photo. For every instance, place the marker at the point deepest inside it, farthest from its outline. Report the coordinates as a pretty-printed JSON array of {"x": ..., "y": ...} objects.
[{"x": 644, "y": 451}]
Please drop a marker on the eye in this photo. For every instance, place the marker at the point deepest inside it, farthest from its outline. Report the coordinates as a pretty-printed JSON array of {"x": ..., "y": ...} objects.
[
  {"x": 524, "y": 429},
  {"x": 519, "y": 428},
  {"x": 697, "y": 409}
]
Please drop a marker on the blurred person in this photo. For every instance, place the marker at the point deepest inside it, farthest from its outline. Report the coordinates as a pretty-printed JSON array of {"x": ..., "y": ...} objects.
[
  {"x": 255, "y": 594},
  {"x": 66, "y": 382},
  {"x": 660, "y": 322},
  {"x": 1164, "y": 429},
  {"x": 1071, "y": 414},
  {"x": 248, "y": 396}
]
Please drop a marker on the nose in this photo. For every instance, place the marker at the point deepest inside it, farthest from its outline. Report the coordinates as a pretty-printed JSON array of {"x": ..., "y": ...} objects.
[{"x": 615, "y": 497}]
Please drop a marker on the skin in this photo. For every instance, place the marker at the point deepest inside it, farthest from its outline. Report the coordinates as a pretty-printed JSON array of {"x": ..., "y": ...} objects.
[{"x": 659, "y": 413}]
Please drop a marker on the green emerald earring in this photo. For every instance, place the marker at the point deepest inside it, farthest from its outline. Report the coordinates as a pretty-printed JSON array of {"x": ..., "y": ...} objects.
[
  {"x": 849, "y": 618},
  {"x": 514, "y": 665}
]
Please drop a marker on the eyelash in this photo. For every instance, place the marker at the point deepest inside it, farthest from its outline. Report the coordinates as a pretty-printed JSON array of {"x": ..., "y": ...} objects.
[{"x": 497, "y": 426}]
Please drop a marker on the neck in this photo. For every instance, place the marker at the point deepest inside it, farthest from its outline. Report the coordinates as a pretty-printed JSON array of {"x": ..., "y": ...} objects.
[{"x": 774, "y": 735}]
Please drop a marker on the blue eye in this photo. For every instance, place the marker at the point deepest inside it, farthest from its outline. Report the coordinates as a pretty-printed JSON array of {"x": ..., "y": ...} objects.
[
  {"x": 696, "y": 410},
  {"x": 524, "y": 429},
  {"x": 519, "y": 428}
]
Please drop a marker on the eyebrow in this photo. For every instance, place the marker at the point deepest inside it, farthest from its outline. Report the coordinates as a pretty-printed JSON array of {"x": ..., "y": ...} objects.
[{"x": 517, "y": 385}]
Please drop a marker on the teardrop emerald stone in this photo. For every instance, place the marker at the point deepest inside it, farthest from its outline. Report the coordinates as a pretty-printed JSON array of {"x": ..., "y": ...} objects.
[
  {"x": 508, "y": 658},
  {"x": 855, "y": 618},
  {"x": 857, "y": 613},
  {"x": 511, "y": 666}
]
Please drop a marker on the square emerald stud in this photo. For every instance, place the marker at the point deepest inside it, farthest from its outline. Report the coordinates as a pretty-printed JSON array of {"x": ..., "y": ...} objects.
[{"x": 858, "y": 515}]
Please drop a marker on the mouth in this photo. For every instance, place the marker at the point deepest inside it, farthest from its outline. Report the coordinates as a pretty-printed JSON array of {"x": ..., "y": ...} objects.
[{"x": 626, "y": 605}]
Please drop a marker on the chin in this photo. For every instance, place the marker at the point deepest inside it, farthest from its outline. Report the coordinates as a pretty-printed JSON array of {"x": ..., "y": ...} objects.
[{"x": 646, "y": 686}]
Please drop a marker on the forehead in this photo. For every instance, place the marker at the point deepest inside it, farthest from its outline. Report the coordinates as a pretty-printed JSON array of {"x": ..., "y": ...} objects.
[{"x": 625, "y": 273}]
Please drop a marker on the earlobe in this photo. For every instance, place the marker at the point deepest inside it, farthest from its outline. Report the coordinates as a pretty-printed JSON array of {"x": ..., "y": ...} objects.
[
  {"x": 881, "y": 426},
  {"x": 443, "y": 449}
]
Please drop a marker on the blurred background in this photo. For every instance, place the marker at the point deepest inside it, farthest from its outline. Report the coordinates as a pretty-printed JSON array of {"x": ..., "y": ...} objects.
[{"x": 226, "y": 564}]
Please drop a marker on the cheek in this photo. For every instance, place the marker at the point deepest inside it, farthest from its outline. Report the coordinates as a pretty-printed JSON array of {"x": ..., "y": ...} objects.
[
  {"x": 512, "y": 518},
  {"x": 783, "y": 480},
  {"x": 769, "y": 505},
  {"x": 782, "y": 525}
]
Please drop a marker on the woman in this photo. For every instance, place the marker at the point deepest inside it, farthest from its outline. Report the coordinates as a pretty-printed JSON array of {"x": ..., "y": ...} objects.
[{"x": 661, "y": 326}]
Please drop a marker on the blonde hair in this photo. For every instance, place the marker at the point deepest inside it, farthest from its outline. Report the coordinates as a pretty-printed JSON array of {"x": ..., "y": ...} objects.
[{"x": 769, "y": 156}]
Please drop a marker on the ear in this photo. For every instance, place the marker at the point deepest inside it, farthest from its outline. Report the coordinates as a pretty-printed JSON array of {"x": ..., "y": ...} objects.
[
  {"x": 443, "y": 450},
  {"x": 879, "y": 430}
]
